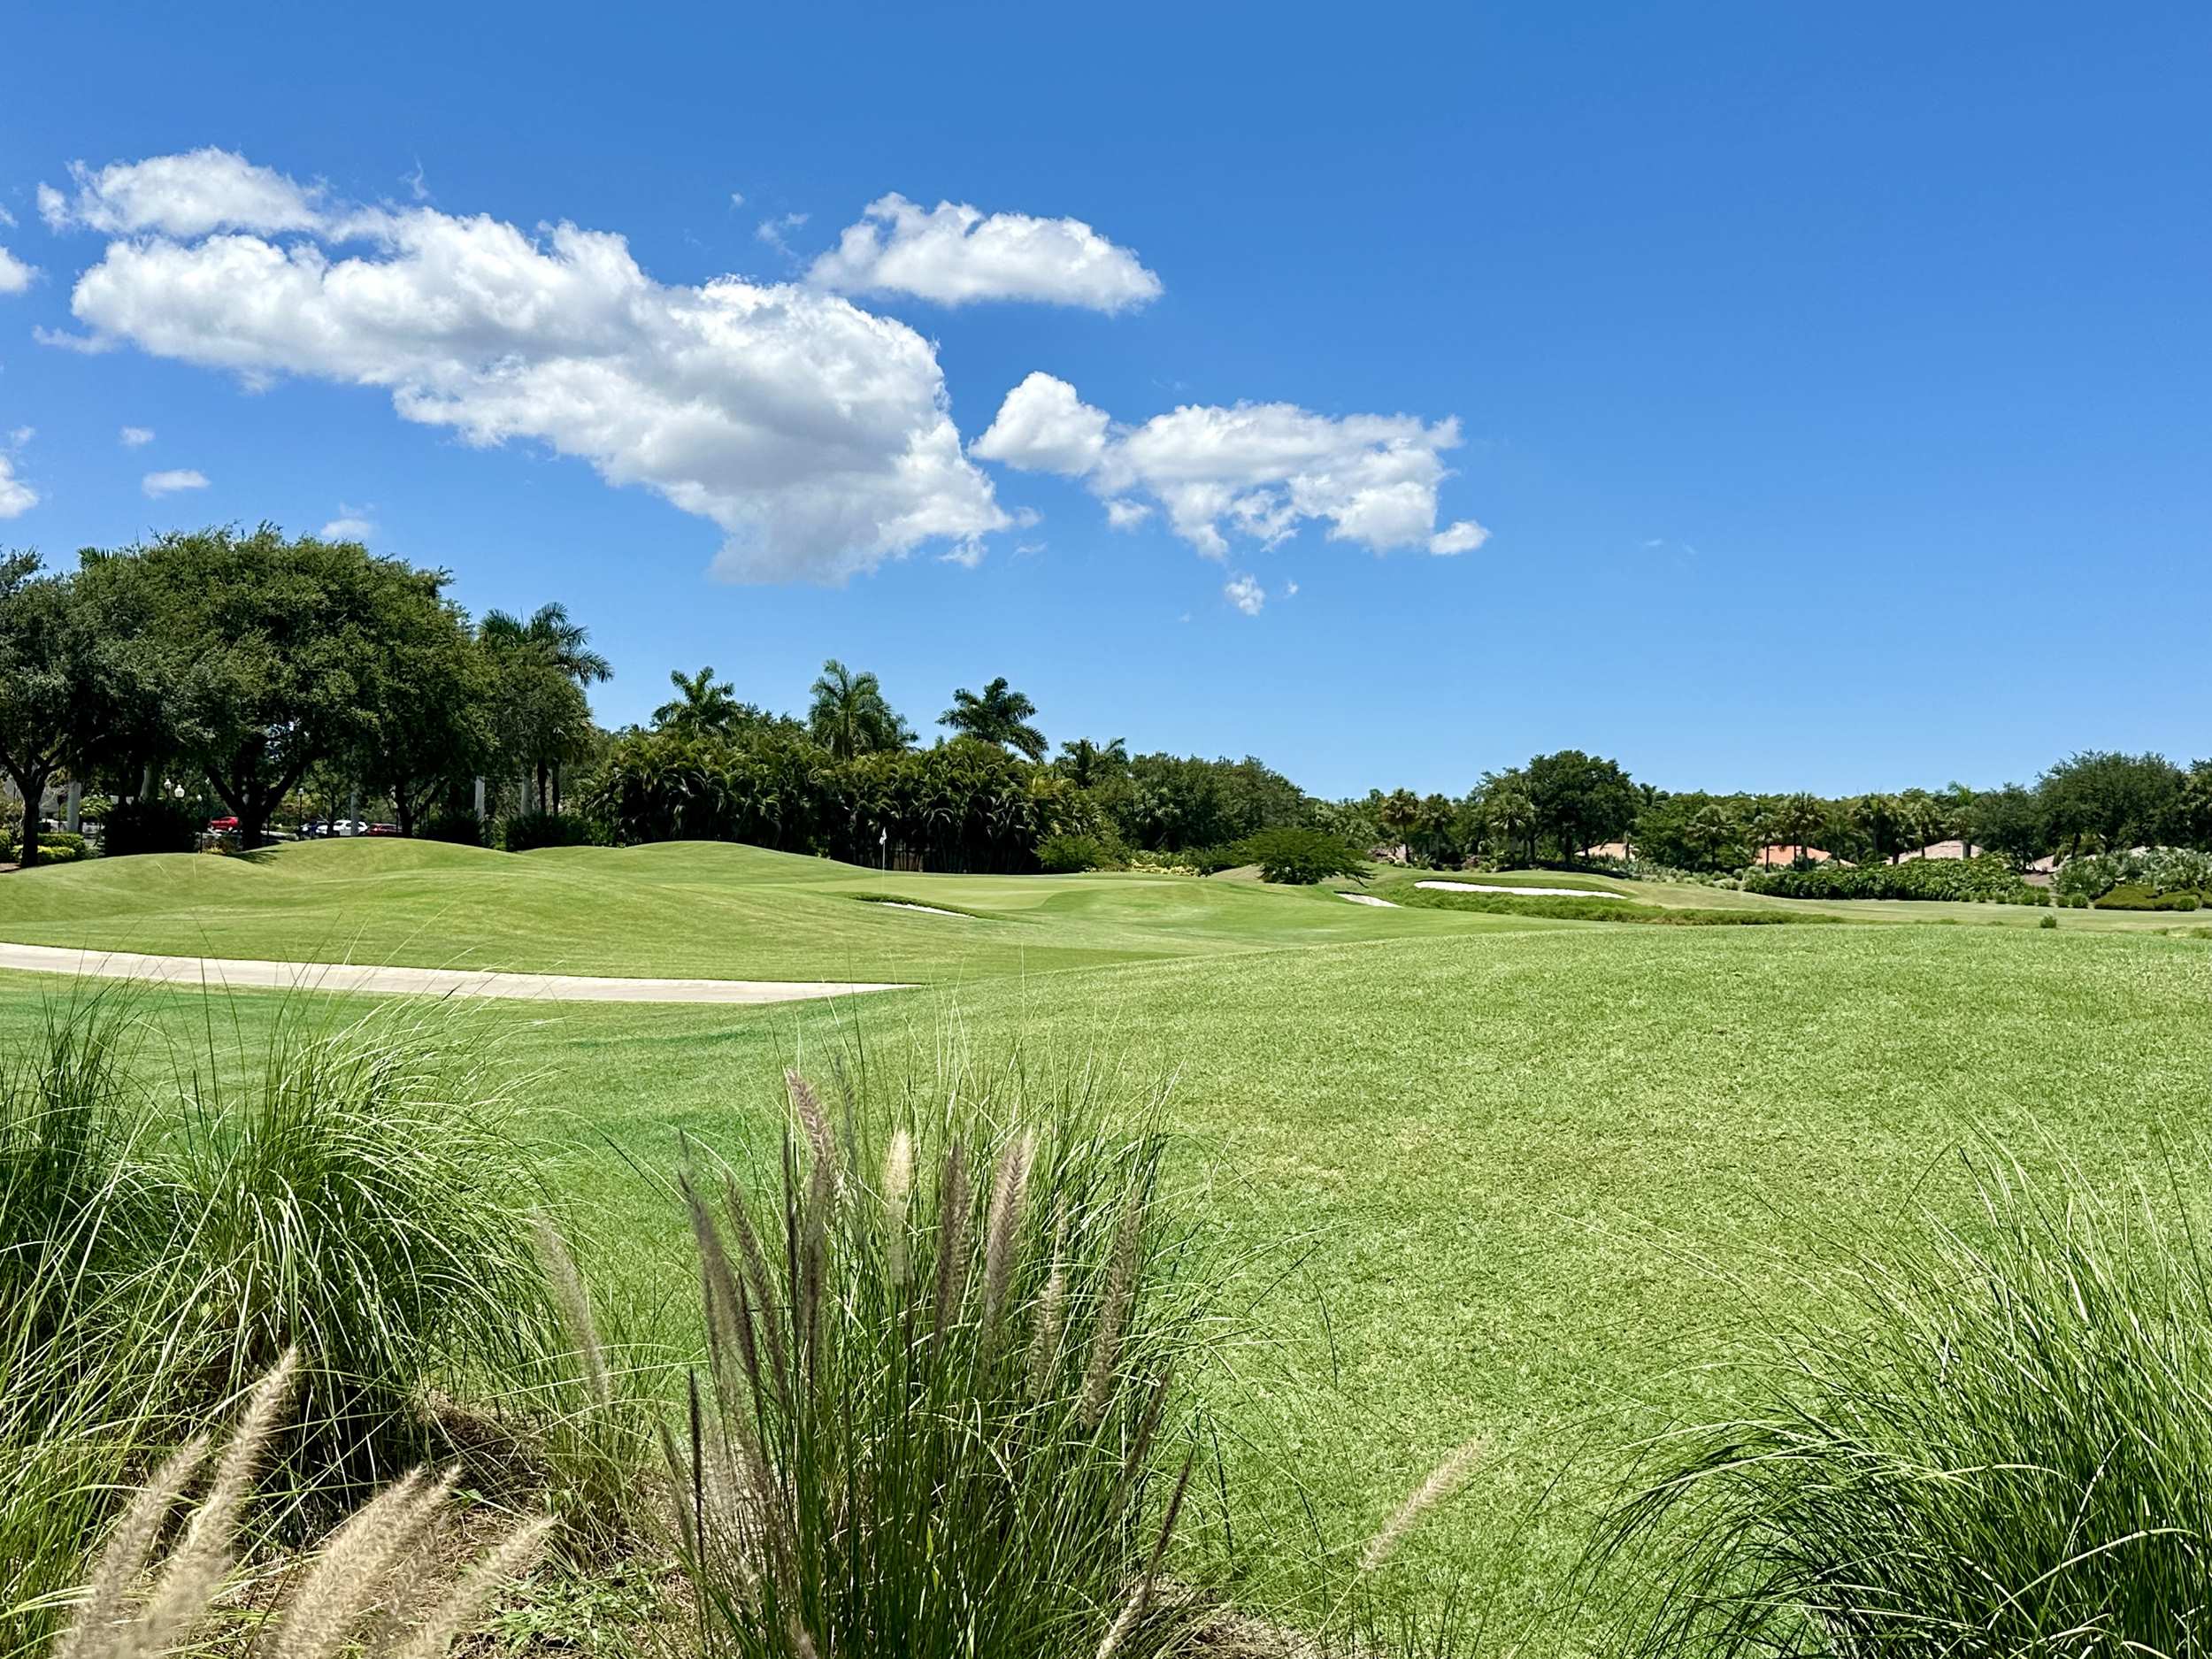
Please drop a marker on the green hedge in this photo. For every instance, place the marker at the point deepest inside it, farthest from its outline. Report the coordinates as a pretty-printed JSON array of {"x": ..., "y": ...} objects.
[
  {"x": 461, "y": 828},
  {"x": 1987, "y": 880},
  {"x": 153, "y": 826},
  {"x": 2134, "y": 896},
  {"x": 526, "y": 831}
]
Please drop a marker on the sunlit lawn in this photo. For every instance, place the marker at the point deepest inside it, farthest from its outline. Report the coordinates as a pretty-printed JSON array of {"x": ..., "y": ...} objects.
[{"x": 1513, "y": 1182}]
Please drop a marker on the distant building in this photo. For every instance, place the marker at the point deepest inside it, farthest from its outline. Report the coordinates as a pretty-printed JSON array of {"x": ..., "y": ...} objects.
[
  {"x": 1939, "y": 850},
  {"x": 1768, "y": 857}
]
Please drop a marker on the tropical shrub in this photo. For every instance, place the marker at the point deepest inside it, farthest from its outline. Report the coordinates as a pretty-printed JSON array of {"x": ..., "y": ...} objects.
[
  {"x": 459, "y": 826},
  {"x": 66, "y": 843},
  {"x": 1065, "y": 853},
  {"x": 151, "y": 824},
  {"x": 527, "y": 831},
  {"x": 1987, "y": 879},
  {"x": 1299, "y": 858},
  {"x": 2158, "y": 869},
  {"x": 2002, "y": 1448},
  {"x": 59, "y": 852}
]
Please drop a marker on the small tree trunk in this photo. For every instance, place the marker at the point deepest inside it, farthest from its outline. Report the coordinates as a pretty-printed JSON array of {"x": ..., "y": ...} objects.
[{"x": 34, "y": 791}]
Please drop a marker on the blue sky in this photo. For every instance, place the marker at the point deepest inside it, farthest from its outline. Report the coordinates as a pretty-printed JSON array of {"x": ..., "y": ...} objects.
[{"x": 1831, "y": 383}]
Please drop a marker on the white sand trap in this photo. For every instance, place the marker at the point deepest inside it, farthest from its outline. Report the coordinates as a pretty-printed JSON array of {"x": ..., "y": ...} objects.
[
  {"x": 224, "y": 974},
  {"x": 1367, "y": 898},
  {"x": 901, "y": 905},
  {"x": 1489, "y": 887}
]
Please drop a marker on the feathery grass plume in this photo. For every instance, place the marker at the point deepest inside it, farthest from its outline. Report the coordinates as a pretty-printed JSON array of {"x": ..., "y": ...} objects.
[
  {"x": 762, "y": 1284},
  {"x": 1044, "y": 1338},
  {"x": 1445, "y": 1479},
  {"x": 1113, "y": 1316},
  {"x": 498, "y": 1567},
  {"x": 105, "y": 1600},
  {"x": 351, "y": 1566},
  {"x": 898, "y": 1192},
  {"x": 574, "y": 1302},
  {"x": 952, "y": 1240},
  {"x": 821, "y": 1140},
  {"x": 1002, "y": 1225},
  {"x": 201, "y": 1557}
]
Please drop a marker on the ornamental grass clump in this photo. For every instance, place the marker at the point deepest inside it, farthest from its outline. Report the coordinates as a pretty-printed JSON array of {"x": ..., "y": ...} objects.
[
  {"x": 2007, "y": 1453},
  {"x": 357, "y": 1202},
  {"x": 938, "y": 1413}
]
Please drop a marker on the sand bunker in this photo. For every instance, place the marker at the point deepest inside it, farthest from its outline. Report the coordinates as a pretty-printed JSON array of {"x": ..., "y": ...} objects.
[{"x": 1489, "y": 887}]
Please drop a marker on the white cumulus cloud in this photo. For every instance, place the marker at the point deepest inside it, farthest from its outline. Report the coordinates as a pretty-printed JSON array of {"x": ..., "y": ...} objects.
[
  {"x": 1245, "y": 593},
  {"x": 817, "y": 435},
  {"x": 169, "y": 483},
  {"x": 352, "y": 524},
  {"x": 1259, "y": 471},
  {"x": 953, "y": 254},
  {"x": 187, "y": 195},
  {"x": 16, "y": 496},
  {"x": 15, "y": 276},
  {"x": 136, "y": 437}
]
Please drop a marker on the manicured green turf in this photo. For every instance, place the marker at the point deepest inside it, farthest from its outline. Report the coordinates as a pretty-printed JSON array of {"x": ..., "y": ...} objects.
[
  {"x": 1514, "y": 1182},
  {"x": 691, "y": 909}
]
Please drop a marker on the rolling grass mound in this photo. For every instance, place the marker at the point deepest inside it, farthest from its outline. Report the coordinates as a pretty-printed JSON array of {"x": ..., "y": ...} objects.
[{"x": 707, "y": 909}]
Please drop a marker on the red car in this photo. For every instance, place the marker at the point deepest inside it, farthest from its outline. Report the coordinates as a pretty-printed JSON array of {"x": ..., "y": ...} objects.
[
  {"x": 383, "y": 829},
  {"x": 223, "y": 825}
]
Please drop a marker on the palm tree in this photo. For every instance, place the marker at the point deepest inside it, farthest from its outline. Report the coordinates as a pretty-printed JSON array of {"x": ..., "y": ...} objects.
[
  {"x": 547, "y": 639},
  {"x": 1798, "y": 819},
  {"x": 559, "y": 643},
  {"x": 1086, "y": 763},
  {"x": 549, "y": 632},
  {"x": 702, "y": 707},
  {"x": 1512, "y": 816},
  {"x": 1710, "y": 831},
  {"x": 851, "y": 716},
  {"x": 1001, "y": 715}
]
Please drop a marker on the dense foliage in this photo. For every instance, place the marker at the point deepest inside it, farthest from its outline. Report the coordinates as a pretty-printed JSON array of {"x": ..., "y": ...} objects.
[
  {"x": 246, "y": 674},
  {"x": 962, "y": 805},
  {"x": 1299, "y": 858},
  {"x": 1987, "y": 877}
]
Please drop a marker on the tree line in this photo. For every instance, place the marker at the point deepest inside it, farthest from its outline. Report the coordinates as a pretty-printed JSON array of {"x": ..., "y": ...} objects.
[{"x": 258, "y": 672}]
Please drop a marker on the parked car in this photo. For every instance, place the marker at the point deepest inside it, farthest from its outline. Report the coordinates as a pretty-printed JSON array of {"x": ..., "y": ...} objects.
[
  {"x": 226, "y": 824},
  {"x": 383, "y": 829}
]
